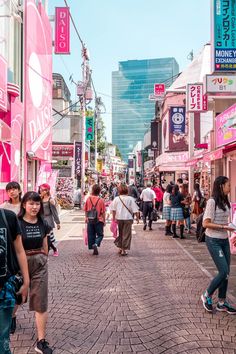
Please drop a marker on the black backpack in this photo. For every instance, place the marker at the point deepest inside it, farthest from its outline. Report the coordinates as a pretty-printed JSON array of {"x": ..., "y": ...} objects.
[
  {"x": 3, "y": 256},
  {"x": 92, "y": 214},
  {"x": 5, "y": 237}
]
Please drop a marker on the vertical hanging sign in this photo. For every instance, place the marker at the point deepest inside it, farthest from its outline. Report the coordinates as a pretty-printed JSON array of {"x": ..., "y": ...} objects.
[
  {"x": 62, "y": 30},
  {"x": 223, "y": 35},
  {"x": 3, "y": 84},
  {"x": 196, "y": 100},
  {"x": 89, "y": 132}
]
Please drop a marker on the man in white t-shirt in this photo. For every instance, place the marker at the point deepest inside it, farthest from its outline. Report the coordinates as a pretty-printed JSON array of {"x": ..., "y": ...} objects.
[{"x": 148, "y": 197}]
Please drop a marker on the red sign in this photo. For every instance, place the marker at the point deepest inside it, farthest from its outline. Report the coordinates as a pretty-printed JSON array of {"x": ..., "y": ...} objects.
[
  {"x": 159, "y": 89},
  {"x": 62, "y": 30},
  {"x": 196, "y": 100},
  {"x": 63, "y": 150},
  {"x": 3, "y": 84}
]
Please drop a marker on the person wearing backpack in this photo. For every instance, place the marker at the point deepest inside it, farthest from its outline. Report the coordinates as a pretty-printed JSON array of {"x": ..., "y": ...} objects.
[
  {"x": 95, "y": 218},
  {"x": 216, "y": 221},
  {"x": 12, "y": 259}
]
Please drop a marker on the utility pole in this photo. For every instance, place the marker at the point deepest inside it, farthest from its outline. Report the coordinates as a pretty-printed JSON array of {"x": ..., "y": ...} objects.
[{"x": 85, "y": 70}]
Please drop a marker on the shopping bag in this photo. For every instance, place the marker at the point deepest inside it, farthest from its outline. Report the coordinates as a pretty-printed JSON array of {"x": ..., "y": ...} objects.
[
  {"x": 85, "y": 236},
  {"x": 232, "y": 240},
  {"x": 114, "y": 228}
]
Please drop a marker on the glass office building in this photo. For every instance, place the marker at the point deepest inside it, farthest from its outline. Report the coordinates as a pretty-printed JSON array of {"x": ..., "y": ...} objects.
[{"x": 131, "y": 108}]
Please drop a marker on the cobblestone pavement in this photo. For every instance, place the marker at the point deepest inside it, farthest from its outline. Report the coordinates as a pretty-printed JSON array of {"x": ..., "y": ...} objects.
[{"x": 147, "y": 302}]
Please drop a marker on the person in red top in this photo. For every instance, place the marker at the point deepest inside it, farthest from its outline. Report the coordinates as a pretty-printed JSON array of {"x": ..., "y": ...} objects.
[
  {"x": 95, "y": 227},
  {"x": 159, "y": 196}
]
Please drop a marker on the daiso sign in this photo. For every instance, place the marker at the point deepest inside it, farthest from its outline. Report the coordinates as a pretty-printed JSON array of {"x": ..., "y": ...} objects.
[
  {"x": 62, "y": 30},
  {"x": 38, "y": 82}
]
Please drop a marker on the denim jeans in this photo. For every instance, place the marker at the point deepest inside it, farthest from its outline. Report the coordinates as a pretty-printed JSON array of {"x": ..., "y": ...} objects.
[
  {"x": 220, "y": 252},
  {"x": 95, "y": 233},
  {"x": 5, "y": 325}
]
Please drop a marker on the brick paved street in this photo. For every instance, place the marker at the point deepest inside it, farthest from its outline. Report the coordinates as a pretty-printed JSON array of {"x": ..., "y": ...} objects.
[{"x": 148, "y": 302}]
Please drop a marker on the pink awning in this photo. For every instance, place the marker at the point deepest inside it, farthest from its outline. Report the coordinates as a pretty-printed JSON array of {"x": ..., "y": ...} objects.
[{"x": 213, "y": 155}]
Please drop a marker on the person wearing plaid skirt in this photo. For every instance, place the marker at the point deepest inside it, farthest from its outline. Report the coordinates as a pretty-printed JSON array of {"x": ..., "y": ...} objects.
[
  {"x": 167, "y": 210},
  {"x": 176, "y": 213}
]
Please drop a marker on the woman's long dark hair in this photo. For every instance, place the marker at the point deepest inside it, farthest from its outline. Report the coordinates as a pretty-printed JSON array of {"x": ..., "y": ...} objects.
[
  {"x": 35, "y": 197},
  {"x": 197, "y": 189},
  {"x": 175, "y": 189},
  {"x": 218, "y": 195}
]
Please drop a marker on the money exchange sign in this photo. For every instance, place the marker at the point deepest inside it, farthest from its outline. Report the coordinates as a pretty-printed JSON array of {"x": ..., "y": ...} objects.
[{"x": 224, "y": 35}]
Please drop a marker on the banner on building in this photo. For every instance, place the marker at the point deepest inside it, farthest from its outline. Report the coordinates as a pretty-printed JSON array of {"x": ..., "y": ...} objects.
[
  {"x": 196, "y": 100},
  {"x": 223, "y": 35},
  {"x": 177, "y": 129},
  {"x": 38, "y": 81},
  {"x": 89, "y": 129},
  {"x": 3, "y": 84},
  {"x": 226, "y": 127},
  {"x": 159, "y": 90},
  {"x": 62, "y": 30},
  {"x": 130, "y": 163},
  {"x": 78, "y": 158},
  {"x": 154, "y": 135}
]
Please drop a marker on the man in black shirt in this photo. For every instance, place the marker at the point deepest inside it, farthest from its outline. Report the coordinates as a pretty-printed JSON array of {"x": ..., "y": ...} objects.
[{"x": 14, "y": 260}]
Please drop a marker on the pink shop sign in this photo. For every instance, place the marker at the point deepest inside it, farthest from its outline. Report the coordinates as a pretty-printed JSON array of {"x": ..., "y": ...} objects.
[
  {"x": 38, "y": 81},
  {"x": 62, "y": 30},
  {"x": 3, "y": 84},
  {"x": 226, "y": 126}
]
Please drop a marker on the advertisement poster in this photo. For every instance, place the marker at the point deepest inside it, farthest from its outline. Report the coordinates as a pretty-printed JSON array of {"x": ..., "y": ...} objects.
[
  {"x": 226, "y": 126},
  {"x": 223, "y": 33},
  {"x": 3, "y": 84},
  {"x": 177, "y": 129}
]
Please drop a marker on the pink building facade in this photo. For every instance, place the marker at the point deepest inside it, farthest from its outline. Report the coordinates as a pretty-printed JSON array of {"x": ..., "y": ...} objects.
[{"x": 25, "y": 110}]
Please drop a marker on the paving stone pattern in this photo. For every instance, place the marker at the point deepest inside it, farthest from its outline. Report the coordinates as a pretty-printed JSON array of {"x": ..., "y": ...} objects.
[{"x": 147, "y": 302}]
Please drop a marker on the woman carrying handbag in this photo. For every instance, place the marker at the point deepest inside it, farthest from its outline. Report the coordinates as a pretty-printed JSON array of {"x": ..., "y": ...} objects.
[{"x": 123, "y": 208}]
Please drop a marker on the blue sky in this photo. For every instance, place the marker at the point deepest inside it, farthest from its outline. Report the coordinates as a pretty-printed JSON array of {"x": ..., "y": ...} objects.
[{"x": 117, "y": 30}]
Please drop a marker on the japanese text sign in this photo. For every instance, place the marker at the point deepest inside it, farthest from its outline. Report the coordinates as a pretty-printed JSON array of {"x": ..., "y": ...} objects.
[
  {"x": 224, "y": 35},
  {"x": 89, "y": 131},
  {"x": 177, "y": 120},
  {"x": 196, "y": 100},
  {"x": 62, "y": 30},
  {"x": 159, "y": 89},
  {"x": 78, "y": 158},
  {"x": 226, "y": 126},
  {"x": 220, "y": 83},
  {"x": 3, "y": 84}
]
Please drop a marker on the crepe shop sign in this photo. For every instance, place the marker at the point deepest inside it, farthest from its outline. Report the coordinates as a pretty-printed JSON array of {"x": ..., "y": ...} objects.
[
  {"x": 62, "y": 30},
  {"x": 226, "y": 126},
  {"x": 196, "y": 100}
]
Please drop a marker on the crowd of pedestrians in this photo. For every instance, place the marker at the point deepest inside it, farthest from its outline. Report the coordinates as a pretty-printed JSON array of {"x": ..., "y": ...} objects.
[{"x": 26, "y": 236}]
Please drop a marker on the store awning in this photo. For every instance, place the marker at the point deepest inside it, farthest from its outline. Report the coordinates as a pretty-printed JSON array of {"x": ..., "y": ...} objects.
[
  {"x": 194, "y": 160},
  {"x": 213, "y": 155},
  {"x": 172, "y": 168}
]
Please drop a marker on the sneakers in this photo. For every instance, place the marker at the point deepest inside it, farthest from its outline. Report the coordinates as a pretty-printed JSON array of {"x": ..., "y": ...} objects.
[
  {"x": 13, "y": 325},
  {"x": 95, "y": 249},
  {"x": 226, "y": 307},
  {"x": 144, "y": 227},
  {"x": 55, "y": 253},
  {"x": 42, "y": 347},
  {"x": 207, "y": 303}
]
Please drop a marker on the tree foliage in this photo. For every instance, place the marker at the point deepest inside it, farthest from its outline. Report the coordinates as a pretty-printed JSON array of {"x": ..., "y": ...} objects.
[{"x": 101, "y": 138}]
